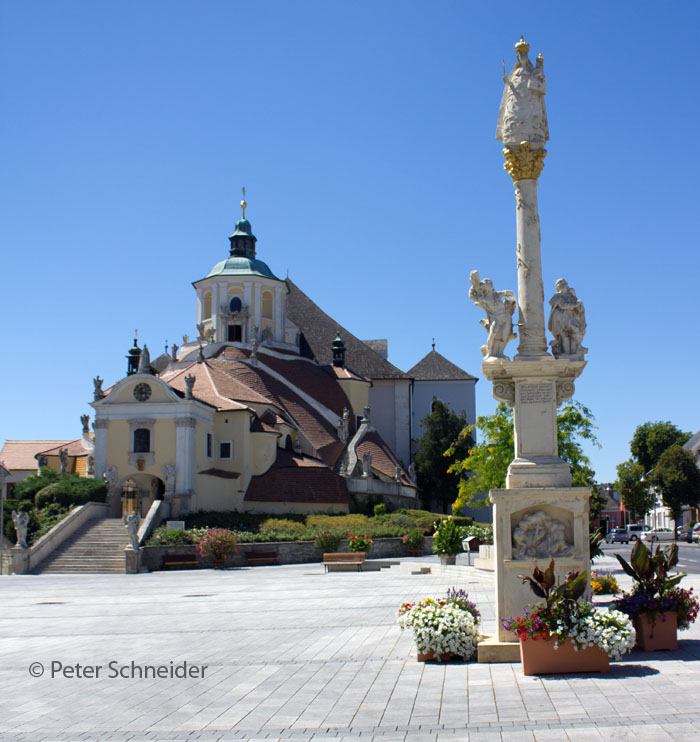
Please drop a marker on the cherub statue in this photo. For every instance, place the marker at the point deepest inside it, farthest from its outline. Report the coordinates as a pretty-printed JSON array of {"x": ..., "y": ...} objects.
[
  {"x": 499, "y": 307},
  {"x": 20, "y": 519},
  {"x": 567, "y": 322}
]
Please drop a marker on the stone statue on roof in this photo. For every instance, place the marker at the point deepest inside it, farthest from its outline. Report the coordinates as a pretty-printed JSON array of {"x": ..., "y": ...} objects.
[
  {"x": 63, "y": 458},
  {"x": 189, "y": 384},
  {"x": 522, "y": 116},
  {"x": 99, "y": 394},
  {"x": 85, "y": 420},
  {"x": 367, "y": 464},
  {"x": 173, "y": 352}
]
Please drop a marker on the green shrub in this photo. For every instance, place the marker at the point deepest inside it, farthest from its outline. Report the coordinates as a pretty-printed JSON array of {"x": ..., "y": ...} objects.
[
  {"x": 70, "y": 490},
  {"x": 483, "y": 531},
  {"x": 163, "y": 537},
  {"x": 379, "y": 510},
  {"x": 345, "y": 523},
  {"x": 282, "y": 524},
  {"x": 27, "y": 488}
]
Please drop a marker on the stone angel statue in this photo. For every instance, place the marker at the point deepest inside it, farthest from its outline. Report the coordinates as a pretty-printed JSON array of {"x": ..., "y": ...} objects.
[
  {"x": 20, "y": 520},
  {"x": 499, "y": 307}
]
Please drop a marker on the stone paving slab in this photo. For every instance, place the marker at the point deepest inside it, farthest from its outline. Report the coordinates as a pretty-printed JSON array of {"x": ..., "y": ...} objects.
[{"x": 291, "y": 653}]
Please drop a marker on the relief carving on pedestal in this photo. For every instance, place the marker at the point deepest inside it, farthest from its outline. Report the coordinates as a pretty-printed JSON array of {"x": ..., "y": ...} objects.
[{"x": 539, "y": 536}]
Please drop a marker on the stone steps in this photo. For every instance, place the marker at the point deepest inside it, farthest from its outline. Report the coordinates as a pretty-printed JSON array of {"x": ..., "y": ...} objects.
[{"x": 98, "y": 547}]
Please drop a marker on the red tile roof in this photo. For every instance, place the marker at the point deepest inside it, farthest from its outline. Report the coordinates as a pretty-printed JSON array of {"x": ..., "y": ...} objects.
[
  {"x": 297, "y": 479},
  {"x": 19, "y": 455},
  {"x": 383, "y": 459},
  {"x": 74, "y": 448}
]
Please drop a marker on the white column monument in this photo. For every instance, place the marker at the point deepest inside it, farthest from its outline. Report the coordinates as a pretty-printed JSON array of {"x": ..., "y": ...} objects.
[{"x": 539, "y": 515}]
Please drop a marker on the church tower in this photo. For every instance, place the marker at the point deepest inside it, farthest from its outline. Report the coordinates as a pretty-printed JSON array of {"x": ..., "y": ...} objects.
[{"x": 241, "y": 299}]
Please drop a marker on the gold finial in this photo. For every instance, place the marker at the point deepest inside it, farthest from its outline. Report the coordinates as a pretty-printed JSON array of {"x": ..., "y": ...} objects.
[
  {"x": 522, "y": 46},
  {"x": 243, "y": 203}
]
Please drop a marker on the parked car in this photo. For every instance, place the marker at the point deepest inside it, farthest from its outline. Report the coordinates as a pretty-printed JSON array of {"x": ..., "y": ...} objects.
[
  {"x": 635, "y": 529},
  {"x": 618, "y": 535},
  {"x": 691, "y": 535},
  {"x": 658, "y": 534}
]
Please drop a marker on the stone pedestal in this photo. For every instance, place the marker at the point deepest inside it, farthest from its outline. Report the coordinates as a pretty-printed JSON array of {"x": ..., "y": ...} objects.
[
  {"x": 132, "y": 560},
  {"x": 534, "y": 388},
  {"x": 531, "y": 526}
]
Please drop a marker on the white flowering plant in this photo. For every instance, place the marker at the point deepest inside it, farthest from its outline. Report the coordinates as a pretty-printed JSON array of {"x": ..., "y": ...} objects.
[
  {"x": 565, "y": 616},
  {"x": 447, "y": 626}
]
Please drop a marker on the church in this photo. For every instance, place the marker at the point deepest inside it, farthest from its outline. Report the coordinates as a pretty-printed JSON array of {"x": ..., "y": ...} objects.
[{"x": 274, "y": 407}]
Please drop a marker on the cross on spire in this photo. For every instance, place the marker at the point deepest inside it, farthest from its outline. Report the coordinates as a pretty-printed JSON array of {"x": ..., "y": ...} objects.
[{"x": 243, "y": 203}]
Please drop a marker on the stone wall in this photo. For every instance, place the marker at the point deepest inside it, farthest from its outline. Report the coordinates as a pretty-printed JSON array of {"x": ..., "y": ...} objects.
[{"x": 288, "y": 552}]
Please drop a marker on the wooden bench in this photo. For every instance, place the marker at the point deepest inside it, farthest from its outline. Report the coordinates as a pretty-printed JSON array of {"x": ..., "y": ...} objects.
[
  {"x": 180, "y": 561},
  {"x": 343, "y": 562},
  {"x": 261, "y": 557}
]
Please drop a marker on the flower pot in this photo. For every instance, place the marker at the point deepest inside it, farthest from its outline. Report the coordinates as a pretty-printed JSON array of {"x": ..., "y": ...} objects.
[
  {"x": 538, "y": 657},
  {"x": 656, "y": 632},
  {"x": 446, "y": 559},
  {"x": 430, "y": 656}
]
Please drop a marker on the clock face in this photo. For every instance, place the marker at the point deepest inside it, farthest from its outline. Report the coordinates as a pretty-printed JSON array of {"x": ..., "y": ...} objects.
[{"x": 142, "y": 392}]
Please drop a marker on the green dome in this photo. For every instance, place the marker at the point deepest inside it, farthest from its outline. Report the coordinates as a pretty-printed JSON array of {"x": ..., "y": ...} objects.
[{"x": 241, "y": 266}]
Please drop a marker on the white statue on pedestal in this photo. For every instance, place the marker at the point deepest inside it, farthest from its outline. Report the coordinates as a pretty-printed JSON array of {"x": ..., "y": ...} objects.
[
  {"x": 567, "y": 322},
  {"x": 522, "y": 116},
  {"x": 499, "y": 307}
]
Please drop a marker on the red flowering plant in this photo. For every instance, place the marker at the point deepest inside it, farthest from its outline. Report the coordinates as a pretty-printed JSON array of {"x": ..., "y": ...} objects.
[
  {"x": 359, "y": 542},
  {"x": 218, "y": 543}
]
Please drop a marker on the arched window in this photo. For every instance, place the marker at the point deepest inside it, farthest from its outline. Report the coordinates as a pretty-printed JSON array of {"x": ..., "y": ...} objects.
[
  {"x": 267, "y": 305},
  {"x": 235, "y": 305},
  {"x": 206, "y": 312},
  {"x": 142, "y": 440}
]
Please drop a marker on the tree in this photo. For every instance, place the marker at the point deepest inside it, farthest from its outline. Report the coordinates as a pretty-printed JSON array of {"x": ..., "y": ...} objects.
[
  {"x": 634, "y": 491},
  {"x": 445, "y": 440},
  {"x": 650, "y": 440},
  {"x": 677, "y": 477},
  {"x": 486, "y": 465}
]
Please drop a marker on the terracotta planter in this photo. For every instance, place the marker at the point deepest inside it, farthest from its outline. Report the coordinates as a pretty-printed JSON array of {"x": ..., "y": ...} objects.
[
  {"x": 446, "y": 559},
  {"x": 430, "y": 656},
  {"x": 657, "y": 632},
  {"x": 538, "y": 657}
]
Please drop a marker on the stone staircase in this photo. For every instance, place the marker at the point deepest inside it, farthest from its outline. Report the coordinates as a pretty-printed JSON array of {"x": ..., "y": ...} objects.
[{"x": 98, "y": 547}]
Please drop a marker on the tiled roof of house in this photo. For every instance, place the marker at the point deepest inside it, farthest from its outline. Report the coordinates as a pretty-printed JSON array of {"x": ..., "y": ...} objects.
[
  {"x": 693, "y": 443},
  {"x": 383, "y": 459},
  {"x": 319, "y": 330},
  {"x": 19, "y": 455},
  {"x": 74, "y": 448},
  {"x": 435, "y": 367},
  {"x": 294, "y": 478}
]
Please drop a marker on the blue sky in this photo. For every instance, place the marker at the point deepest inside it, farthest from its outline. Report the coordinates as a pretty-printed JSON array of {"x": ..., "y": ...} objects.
[{"x": 364, "y": 134}]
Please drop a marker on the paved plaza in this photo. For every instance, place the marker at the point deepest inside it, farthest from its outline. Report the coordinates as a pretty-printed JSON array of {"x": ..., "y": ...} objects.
[{"x": 291, "y": 653}]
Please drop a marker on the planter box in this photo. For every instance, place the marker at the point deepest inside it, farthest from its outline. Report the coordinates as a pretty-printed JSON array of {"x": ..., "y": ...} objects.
[
  {"x": 430, "y": 656},
  {"x": 447, "y": 560},
  {"x": 654, "y": 635},
  {"x": 538, "y": 657}
]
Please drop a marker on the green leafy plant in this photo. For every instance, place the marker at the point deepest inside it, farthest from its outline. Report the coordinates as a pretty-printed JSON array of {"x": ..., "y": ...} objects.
[
  {"x": 565, "y": 616},
  {"x": 219, "y": 543},
  {"x": 328, "y": 541},
  {"x": 655, "y": 590},
  {"x": 603, "y": 583},
  {"x": 379, "y": 510},
  {"x": 413, "y": 540},
  {"x": 359, "y": 543},
  {"x": 447, "y": 538},
  {"x": 595, "y": 539},
  {"x": 482, "y": 531}
]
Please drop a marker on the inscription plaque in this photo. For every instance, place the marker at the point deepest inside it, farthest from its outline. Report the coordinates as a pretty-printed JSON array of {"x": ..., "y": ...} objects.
[{"x": 536, "y": 393}]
